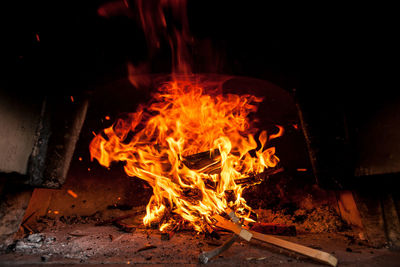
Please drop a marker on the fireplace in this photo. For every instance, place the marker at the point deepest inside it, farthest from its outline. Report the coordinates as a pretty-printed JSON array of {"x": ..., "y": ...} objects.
[{"x": 314, "y": 201}]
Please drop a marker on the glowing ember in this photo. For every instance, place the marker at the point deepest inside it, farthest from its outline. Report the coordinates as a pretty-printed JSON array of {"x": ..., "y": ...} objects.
[
  {"x": 72, "y": 193},
  {"x": 158, "y": 143}
]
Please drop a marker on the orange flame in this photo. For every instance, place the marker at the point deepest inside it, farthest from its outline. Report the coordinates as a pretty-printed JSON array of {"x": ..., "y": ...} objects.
[{"x": 157, "y": 144}]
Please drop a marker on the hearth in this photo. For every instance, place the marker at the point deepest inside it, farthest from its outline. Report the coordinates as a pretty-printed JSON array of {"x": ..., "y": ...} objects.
[{"x": 180, "y": 132}]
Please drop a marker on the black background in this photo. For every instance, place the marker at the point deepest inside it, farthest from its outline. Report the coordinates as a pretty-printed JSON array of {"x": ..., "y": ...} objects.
[{"x": 313, "y": 48}]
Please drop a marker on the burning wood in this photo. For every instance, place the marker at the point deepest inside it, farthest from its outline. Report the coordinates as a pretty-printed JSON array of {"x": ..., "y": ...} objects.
[
  {"x": 205, "y": 161},
  {"x": 258, "y": 178},
  {"x": 209, "y": 163},
  {"x": 206, "y": 256},
  {"x": 160, "y": 144},
  {"x": 167, "y": 235}
]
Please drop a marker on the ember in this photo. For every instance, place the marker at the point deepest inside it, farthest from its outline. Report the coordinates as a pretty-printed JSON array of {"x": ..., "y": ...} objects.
[{"x": 158, "y": 142}]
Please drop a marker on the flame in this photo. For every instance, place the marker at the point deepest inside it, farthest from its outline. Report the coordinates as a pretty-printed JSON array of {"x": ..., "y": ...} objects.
[
  {"x": 162, "y": 142},
  {"x": 191, "y": 142}
]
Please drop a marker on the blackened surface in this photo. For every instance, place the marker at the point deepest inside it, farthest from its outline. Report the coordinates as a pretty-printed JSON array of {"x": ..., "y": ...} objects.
[
  {"x": 67, "y": 118},
  {"x": 376, "y": 126},
  {"x": 377, "y": 201},
  {"x": 304, "y": 46},
  {"x": 330, "y": 148},
  {"x": 37, "y": 159},
  {"x": 58, "y": 132}
]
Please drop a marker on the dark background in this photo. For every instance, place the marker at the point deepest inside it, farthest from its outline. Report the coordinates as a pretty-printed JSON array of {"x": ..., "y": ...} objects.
[
  {"x": 315, "y": 48},
  {"x": 339, "y": 58}
]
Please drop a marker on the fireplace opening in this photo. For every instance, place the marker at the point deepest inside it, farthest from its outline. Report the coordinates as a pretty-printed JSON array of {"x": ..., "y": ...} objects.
[{"x": 283, "y": 173}]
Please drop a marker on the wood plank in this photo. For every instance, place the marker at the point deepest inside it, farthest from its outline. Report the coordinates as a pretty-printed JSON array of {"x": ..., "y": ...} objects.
[{"x": 315, "y": 254}]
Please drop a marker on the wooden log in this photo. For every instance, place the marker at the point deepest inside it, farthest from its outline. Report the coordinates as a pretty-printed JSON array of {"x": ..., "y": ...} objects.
[
  {"x": 259, "y": 177},
  {"x": 207, "y": 255},
  {"x": 318, "y": 255},
  {"x": 250, "y": 180},
  {"x": 167, "y": 235},
  {"x": 208, "y": 162},
  {"x": 202, "y": 160}
]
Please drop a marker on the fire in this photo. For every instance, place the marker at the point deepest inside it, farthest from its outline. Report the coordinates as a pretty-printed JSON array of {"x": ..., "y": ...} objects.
[{"x": 190, "y": 144}]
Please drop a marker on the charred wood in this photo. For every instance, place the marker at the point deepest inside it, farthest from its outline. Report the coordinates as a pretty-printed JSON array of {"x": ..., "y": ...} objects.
[
  {"x": 259, "y": 177},
  {"x": 146, "y": 248},
  {"x": 206, "y": 256},
  {"x": 202, "y": 160},
  {"x": 169, "y": 234}
]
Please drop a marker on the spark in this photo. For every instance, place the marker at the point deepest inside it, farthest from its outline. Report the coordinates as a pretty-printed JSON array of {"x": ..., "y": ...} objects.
[{"x": 72, "y": 193}]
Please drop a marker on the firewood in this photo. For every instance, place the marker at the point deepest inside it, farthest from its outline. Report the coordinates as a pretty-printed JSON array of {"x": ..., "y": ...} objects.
[
  {"x": 247, "y": 181},
  {"x": 28, "y": 217},
  {"x": 28, "y": 228},
  {"x": 208, "y": 162},
  {"x": 201, "y": 160},
  {"x": 169, "y": 234},
  {"x": 318, "y": 255},
  {"x": 259, "y": 177},
  {"x": 206, "y": 256}
]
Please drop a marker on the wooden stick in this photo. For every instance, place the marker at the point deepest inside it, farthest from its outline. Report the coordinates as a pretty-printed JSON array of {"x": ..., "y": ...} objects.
[
  {"x": 146, "y": 248},
  {"x": 208, "y": 255},
  {"x": 27, "y": 218},
  {"x": 318, "y": 255},
  {"x": 259, "y": 177},
  {"x": 27, "y": 228}
]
